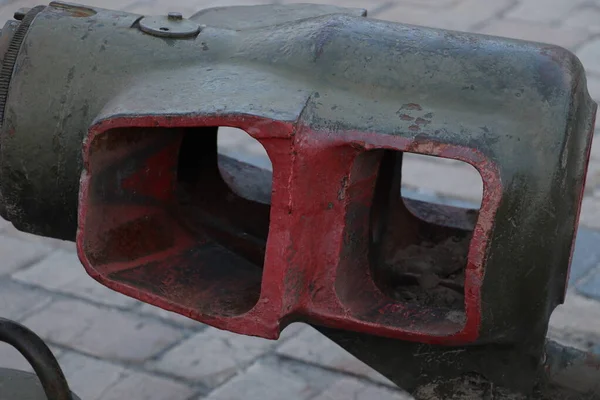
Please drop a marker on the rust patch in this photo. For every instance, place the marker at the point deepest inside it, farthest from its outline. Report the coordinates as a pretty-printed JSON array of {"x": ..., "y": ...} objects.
[
  {"x": 116, "y": 139},
  {"x": 411, "y": 106},
  {"x": 73, "y": 10},
  {"x": 343, "y": 188},
  {"x": 426, "y": 146},
  {"x": 414, "y": 128},
  {"x": 406, "y": 117},
  {"x": 431, "y": 274},
  {"x": 421, "y": 121}
]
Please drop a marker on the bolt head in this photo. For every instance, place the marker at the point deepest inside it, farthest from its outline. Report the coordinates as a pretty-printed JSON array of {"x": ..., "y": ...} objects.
[
  {"x": 20, "y": 13},
  {"x": 175, "y": 16}
]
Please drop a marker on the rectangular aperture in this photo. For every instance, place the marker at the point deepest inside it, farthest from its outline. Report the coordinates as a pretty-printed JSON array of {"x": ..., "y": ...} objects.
[
  {"x": 164, "y": 217},
  {"x": 404, "y": 259},
  {"x": 420, "y": 245}
]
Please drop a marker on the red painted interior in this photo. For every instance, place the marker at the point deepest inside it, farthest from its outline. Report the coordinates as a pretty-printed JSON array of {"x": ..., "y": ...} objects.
[{"x": 238, "y": 265}]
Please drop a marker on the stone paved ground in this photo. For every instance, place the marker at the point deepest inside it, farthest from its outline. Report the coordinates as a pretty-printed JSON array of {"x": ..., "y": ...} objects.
[{"x": 113, "y": 347}]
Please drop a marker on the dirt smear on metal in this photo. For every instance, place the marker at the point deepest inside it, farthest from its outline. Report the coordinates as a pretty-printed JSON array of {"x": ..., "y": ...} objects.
[
  {"x": 464, "y": 388},
  {"x": 431, "y": 274},
  {"x": 476, "y": 387}
]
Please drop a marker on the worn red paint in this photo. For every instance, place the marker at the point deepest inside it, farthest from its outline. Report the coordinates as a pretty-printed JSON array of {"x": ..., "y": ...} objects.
[{"x": 319, "y": 202}]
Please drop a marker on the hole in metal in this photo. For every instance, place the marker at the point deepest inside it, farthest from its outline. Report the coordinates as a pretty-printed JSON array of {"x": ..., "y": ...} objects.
[
  {"x": 404, "y": 259},
  {"x": 164, "y": 219},
  {"x": 420, "y": 240}
]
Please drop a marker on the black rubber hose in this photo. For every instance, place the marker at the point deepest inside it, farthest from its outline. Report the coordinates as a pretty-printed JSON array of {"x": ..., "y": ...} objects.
[{"x": 33, "y": 348}]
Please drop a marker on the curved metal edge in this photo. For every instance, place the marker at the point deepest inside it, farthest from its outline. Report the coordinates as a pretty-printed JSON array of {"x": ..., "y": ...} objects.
[
  {"x": 33, "y": 348},
  {"x": 258, "y": 16},
  {"x": 161, "y": 26}
]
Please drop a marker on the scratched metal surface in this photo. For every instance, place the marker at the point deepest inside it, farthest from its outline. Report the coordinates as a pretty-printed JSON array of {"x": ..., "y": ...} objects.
[{"x": 519, "y": 111}]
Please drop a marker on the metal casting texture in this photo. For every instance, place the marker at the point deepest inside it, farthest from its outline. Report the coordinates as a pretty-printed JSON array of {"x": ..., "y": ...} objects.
[
  {"x": 169, "y": 27},
  {"x": 498, "y": 372},
  {"x": 506, "y": 371},
  {"x": 335, "y": 99}
]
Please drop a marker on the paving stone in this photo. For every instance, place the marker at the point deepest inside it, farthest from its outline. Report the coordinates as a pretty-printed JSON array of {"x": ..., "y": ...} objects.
[
  {"x": 546, "y": 11},
  {"x": 595, "y": 155},
  {"x": 577, "y": 315},
  {"x": 143, "y": 386},
  {"x": 455, "y": 179},
  {"x": 592, "y": 184},
  {"x": 101, "y": 332},
  {"x": 566, "y": 37},
  {"x": 238, "y": 144},
  {"x": 28, "y": 237},
  {"x": 7, "y": 9},
  {"x": 593, "y": 84},
  {"x": 16, "y": 254},
  {"x": 584, "y": 18},
  {"x": 262, "y": 382},
  {"x": 4, "y": 224},
  {"x": 590, "y": 285},
  {"x": 16, "y": 302},
  {"x": 90, "y": 378},
  {"x": 589, "y": 54},
  {"x": 464, "y": 16},
  {"x": 312, "y": 347},
  {"x": 586, "y": 255},
  {"x": 590, "y": 212},
  {"x": 320, "y": 379},
  {"x": 170, "y": 316},
  {"x": 431, "y": 197},
  {"x": 62, "y": 271},
  {"x": 347, "y": 388},
  {"x": 213, "y": 356}
]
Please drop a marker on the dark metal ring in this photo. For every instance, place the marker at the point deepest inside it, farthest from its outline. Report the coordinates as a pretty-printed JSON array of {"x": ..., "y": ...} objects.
[{"x": 33, "y": 348}]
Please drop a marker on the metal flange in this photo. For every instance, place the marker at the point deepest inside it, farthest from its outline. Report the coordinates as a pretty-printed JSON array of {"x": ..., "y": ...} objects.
[
  {"x": 10, "y": 56},
  {"x": 172, "y": 25}
]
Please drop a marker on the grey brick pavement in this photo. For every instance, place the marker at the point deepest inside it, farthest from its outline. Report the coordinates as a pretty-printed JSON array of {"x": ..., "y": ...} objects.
[{"x": 113, "y": 347}]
